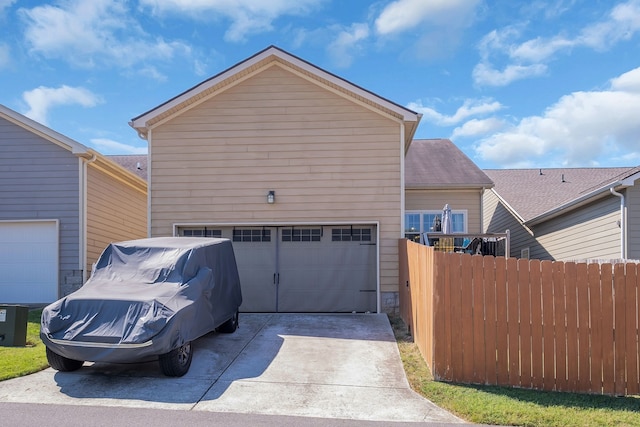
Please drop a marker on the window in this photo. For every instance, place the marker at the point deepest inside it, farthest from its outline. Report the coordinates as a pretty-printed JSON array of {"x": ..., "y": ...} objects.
[
  {"x": 200, "y": 232},
  {"x": 417, "y": 223},
  {"x": 251, "y": 235},
  {"x": 351, "y": 234},
  {"x": 301, "y": 234}
]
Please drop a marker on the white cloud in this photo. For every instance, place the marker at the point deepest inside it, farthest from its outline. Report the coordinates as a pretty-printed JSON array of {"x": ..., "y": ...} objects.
[
  {"x": 91, "y": 33},
  {"x": 403, "y": 15},
  {"x": 478, "y": 127},
  {"x": 582, "y": 128},
  {"x": 347, "y": 44},
  {"x": 40, "y": 100},
  {"x": 469, "y": 108},
  {"x": 529, "y": 58},
  {"x": 109, "y": 146},
  {"x": 485, "y": 74},
  {"x": 247, "y": 17}
]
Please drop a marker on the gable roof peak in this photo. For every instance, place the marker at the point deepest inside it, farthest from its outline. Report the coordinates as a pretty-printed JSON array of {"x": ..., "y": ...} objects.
[{"x": 255, "y": 63}]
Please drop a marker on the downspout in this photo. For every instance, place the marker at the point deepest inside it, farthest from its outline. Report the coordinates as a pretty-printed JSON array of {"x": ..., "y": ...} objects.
[
  {"x": 83, "y": 216},
  {"x": 623, "y": 252}
]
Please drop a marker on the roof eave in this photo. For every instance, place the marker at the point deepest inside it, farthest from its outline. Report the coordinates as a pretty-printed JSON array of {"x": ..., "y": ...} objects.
[
  {"x": 583, "y": 200},
  {"x": 446, "y": 186}
]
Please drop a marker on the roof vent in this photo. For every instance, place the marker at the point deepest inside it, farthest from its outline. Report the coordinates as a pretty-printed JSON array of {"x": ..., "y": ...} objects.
[
  {"x": 541, "y": 172},
  {"x": 138, "y": 166},
  {"x": 563, "y": 178}
]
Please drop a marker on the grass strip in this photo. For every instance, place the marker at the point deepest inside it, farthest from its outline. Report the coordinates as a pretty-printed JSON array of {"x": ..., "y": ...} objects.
[{"x": 511, "y": 406}]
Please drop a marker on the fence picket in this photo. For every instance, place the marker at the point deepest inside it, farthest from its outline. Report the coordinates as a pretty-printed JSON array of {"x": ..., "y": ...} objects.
[
  {"x": 466, "y": 317},
  {"x": 632, "y": 312},
  {"x": 502, "y": 332},
  {"x": 619, "y": 289},
  {"x": 524, "y": 302},
  {"x": 571, "y": 318},
  {"x": 560, "y": 325},
  {"x": 480, "y": 320},
  {"x": 595, "y": 339},
  {"x": 608, "y": 360},
  {"x": 548, "y": 343},
  {"x": 513, "y": 319},
  {"x": 537, "y": 367},
  {"x": 584, "y": 345}
]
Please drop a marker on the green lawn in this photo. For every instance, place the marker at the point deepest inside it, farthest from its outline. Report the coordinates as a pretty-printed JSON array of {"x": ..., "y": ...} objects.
[
  {"x": 19, "y": 361},
  {"x": 508, "y": 406}
]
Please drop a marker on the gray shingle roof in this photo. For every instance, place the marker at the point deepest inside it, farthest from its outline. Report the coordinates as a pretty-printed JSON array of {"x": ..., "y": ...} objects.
[
  {"x": 532, "y": 192},
  {"x": 438, "y": 163},
  {"x": 134, "y": 163}
]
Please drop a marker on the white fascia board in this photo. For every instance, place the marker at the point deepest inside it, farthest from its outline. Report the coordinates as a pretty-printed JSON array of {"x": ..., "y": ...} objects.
[
  {"x": 43, "y": 131},
  {"x": 407, "y": 115}
]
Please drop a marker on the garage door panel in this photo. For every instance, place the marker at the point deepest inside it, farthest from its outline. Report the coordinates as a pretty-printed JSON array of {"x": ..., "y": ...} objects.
[
  {"x": 28, "y": 262},
  {"x": 327, "y": 275},
  {"x": 256, "y": 267}
]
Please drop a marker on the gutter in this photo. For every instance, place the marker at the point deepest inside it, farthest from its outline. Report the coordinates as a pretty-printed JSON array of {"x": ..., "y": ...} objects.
[
  {"x": 83, "y": 214},
  {"x": 623, "y": 252}
]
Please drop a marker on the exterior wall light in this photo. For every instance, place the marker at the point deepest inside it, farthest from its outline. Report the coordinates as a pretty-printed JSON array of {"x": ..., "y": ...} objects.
[{"x": 271, "y": 197}]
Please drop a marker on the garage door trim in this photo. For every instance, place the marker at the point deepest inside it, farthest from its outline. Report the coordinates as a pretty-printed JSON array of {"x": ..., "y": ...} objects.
[{"x": 177, "y": 226}]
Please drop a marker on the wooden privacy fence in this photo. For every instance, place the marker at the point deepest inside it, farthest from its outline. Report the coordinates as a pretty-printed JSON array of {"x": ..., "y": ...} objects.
[{"x": 524, "y": 323}]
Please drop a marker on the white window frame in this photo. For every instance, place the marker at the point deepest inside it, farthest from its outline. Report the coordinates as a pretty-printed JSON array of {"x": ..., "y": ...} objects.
[{"x": 464, "y": 212}]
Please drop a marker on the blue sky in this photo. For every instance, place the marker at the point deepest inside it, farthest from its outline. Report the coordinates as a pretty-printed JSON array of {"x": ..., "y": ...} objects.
[{"x": 542, "y": 83}]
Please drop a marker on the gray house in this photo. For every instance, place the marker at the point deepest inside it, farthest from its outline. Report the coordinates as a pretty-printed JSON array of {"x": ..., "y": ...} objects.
[
  {"x": 61, "y": 203},
  {"x": 567, "y": 214}
]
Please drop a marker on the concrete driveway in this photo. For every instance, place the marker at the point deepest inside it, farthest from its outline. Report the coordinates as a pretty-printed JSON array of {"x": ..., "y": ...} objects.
[{"x": 327, "y": 366}]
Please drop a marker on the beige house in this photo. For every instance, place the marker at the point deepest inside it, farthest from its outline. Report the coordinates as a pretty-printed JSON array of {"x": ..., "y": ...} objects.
[
  {"x": 567, "y": 214},
  {"x": 61, "y": 203},
  {"x": 437, "y": 173},
  {"x": 303, "y": 170}
]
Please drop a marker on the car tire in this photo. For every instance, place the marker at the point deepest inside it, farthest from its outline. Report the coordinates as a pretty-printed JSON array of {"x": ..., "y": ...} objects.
[
  {"x": 230, "y": 325},
  {"x": 61, "y": 363},
  {"x": 176, "y": 363}
]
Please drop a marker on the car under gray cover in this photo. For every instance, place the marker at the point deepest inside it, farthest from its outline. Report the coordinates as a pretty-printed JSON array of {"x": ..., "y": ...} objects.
[{"x": 145, "y": 298}]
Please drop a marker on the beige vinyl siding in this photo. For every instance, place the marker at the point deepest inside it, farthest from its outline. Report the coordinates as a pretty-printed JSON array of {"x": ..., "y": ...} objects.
[
  {"x": 434, "y": 200},
  {"x": 328, "y": 158},
  {"x": 633, "y": 221},
  {"x": 497, "y": 218},
  {"x": 590, "y": 232},
  {"x": 116, "y": 211}
]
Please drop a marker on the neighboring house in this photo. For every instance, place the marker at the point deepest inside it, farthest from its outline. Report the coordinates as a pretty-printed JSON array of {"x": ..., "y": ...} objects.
[
  {"x": 136, "y": 163},
  {"x": 567, "y": 214},
  {"x": 303, "y": 170},
  {"x": 438, "y": 173},
  {"x": 61, "y": 203}
]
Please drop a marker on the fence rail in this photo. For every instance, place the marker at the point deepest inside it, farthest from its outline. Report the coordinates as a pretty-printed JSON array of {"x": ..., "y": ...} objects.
[{"x": 523, "y": 323}]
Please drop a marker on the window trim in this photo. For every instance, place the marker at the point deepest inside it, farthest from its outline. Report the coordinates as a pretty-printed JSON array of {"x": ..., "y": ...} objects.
[{"x": 464, "y": 212}]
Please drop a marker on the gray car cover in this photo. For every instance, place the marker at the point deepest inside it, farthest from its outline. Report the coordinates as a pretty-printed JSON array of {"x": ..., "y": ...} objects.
[{"x": 144, "y": 298}]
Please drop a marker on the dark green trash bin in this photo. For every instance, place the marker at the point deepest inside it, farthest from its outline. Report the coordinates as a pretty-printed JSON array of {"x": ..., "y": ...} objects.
[{"x": 13, "y": 325}]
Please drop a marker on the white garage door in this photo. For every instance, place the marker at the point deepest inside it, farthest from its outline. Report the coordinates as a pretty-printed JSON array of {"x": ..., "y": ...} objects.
[
  {"x": 304, "y": 268},
  {"x": 28, "y": 262}
]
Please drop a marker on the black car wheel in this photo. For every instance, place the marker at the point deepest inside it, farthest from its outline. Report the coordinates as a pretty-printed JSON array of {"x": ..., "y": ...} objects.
[
  {"x": 230, "y": 325},
  {"x": 61, "y": 363},
  {"x": 176, "y": 363}
]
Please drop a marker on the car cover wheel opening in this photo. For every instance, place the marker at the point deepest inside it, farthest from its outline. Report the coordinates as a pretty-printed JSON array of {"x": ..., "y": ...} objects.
[
  {"x": 61, "y": 363},
  {"x": 176, "y": 363}
]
